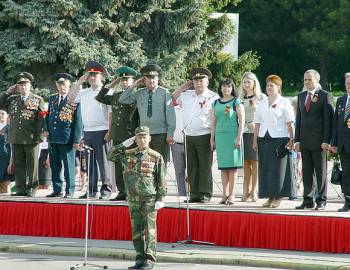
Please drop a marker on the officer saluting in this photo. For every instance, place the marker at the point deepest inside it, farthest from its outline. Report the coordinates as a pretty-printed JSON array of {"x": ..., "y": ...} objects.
[
  {"x": 125, "y": 118},
  {"x": 146, "y": 188},
  {"x": 64, "y": 130},
  {"x": 155, "y": 108},
  {"x": 27, "y": 113}
]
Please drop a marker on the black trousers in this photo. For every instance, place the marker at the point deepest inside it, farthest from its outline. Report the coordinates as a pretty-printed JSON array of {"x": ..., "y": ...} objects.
[
  {"x": 345, "y": 184},
  {"x": 314, "y": 162},
  {"x": 98, "y": 163}
]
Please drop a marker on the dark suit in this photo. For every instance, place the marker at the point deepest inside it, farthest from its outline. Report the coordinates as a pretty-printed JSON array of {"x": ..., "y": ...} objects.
[
  {"x": 313, "y": 128},
  {"x": 341, "y": 139},
  {"x": 26, "y": 132},
  {"x": 64, "y": 125}
]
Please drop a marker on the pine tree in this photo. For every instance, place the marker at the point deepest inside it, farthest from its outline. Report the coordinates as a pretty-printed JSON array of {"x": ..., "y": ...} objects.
[{"x": 46, "y": 36}]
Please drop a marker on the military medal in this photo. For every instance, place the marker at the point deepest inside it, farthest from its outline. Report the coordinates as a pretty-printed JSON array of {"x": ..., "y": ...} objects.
[
  {"x": 315, "y": 98},
  {"x": 273, "y": 106},
  {"x": 348, "y": 122},
  {"x": 227, "y": 109},
  {"x": 67, "y": 112}
]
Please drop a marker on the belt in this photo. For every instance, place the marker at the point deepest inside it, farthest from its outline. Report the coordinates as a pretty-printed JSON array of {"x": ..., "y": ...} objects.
[{"x": 178, "y": 143}]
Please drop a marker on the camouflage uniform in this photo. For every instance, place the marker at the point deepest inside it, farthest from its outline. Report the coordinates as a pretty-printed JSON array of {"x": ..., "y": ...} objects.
[{"x": 145, "y": 184}]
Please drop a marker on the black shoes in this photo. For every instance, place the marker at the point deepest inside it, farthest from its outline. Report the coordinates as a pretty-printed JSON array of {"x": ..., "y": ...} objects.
[
  {"x": 92, "y": 196},
  {"x": 305, "y": 205},
  {"x": 345, "y": 208},
  {"x": 320, "y": 206},
  {"x": 192, "y": 201},
  {"x": 120, "y": 197},
  {"x": 55, "y": 194},
  {"x": 105, "y": 196},
  {"x": 19, "y": 194}
]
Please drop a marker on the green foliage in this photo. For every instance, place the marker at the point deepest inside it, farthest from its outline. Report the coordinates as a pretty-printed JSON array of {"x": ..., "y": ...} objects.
[
  {"x": 292, "y": 36},
  {"x": 47, "y": 36}
]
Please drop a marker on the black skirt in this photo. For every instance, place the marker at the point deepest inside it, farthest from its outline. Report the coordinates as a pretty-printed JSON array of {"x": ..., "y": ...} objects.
[{"x": 275, "y": 174}]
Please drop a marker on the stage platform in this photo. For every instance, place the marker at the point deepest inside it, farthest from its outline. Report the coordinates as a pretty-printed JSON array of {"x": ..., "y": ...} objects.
[{"x": 244, "y": 224}]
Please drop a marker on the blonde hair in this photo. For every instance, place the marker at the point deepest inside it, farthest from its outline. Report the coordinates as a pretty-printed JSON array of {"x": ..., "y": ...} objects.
[{"x": 256, "y": 88}]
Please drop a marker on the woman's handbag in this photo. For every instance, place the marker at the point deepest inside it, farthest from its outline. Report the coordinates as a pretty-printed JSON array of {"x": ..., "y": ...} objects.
[
  {"x": 336, "y": 174},
  {"x": 282, "y": 151}
]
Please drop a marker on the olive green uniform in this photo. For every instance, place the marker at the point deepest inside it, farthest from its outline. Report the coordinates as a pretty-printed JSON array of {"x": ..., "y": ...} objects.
[
  {"x": 145, "y": 184},
  {"x": 124, "y": 121},
  {"x": 26, "y": 132}
]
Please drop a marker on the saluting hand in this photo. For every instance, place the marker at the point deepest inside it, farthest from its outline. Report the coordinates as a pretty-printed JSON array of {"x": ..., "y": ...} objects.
[
  {"x": 112, "y": 83},
  {"x": 83, "y": 78},
  {"x": 11, "y": 89}
]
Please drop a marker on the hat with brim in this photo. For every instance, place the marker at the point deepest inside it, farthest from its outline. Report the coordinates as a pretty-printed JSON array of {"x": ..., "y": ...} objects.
[
  {"x": 24, "y": 77},
  {"x": 151, "y": 70},
  {"x": 62, "y": 77},
  {"x": 126, "y": 72},
  {"x": 94, "y": 67},
  {"x": 199, "y": 73},
  {"x": 142, "y": 130}
]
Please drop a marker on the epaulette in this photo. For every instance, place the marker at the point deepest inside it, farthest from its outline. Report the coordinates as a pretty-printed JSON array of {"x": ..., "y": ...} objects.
[
  {"x": 129, "y": 151},
  {"x": 53, "y": 95},
  {"x": 154, "y": 153}
]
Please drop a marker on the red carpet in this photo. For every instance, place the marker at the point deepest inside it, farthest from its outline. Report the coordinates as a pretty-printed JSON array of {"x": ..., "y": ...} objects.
[{"x": 233, "y": 229}]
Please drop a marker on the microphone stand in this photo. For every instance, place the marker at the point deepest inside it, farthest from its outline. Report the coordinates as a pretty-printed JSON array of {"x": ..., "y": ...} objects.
[
  {"x": 188, "y": 240},
  {"x": 85, "y": 263}
]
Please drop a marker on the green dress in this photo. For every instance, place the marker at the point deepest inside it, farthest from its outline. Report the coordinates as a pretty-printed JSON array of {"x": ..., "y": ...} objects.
[{"x": 228, "y": 156}]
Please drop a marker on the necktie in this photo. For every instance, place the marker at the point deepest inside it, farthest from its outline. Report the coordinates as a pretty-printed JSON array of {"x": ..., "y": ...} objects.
[
  {"x": 149, "y": 108},
  {"x": 347, "y": 109},
  {"x": 308, "y": 102},
  {"x": 61, "y": 101}
]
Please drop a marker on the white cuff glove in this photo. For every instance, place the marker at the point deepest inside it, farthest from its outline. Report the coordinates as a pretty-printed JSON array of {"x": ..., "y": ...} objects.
[
  {"x": 128, "y": 142},
  {"x": 159, "y": 205}
]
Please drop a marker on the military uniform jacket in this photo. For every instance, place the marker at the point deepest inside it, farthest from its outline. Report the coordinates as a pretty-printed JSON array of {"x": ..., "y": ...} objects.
[
  {"x": 27, "y": 118},
  {"x": 341, "y": 129},
  {"x": 143, "y": 172},
  {"x": 125, "y": 117},
  {"x": 64, "y": 122},
  {"x": 163, "y": 113}
]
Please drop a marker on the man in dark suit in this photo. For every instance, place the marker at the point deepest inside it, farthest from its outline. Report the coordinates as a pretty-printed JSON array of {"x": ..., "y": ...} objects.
[
  {"x": 341, "y": 140},
  {"x": 312, "y": 135},
  {"x": 64, "y": 130},
  {"x": 27, "y": 113}
]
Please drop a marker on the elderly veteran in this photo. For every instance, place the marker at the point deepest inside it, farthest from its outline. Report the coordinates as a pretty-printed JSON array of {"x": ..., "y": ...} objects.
[
  {"x": 146, "y": 188},
  {"x": 27, "y": 113},
  {"x": 64, "y": 131},
  {"x": 196, "y": 100},
  {"x": 155, "y": 108},
  {"x": 124, "y": 118},
  {"x": 95, "y": 122}
]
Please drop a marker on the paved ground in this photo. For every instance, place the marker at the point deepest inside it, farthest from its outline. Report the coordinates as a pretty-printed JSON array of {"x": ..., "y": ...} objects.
[
  {"x": 192, "y": 254},
  {"x": 10, "y": 261}
]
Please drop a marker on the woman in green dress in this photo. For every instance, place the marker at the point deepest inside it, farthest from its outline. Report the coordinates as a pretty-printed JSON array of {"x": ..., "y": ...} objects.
[{"x": 226, "y": 137}]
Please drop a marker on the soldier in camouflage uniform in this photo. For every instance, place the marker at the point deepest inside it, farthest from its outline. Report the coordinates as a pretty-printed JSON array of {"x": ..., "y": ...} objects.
[
  {"x": 27, "y": 113},
  {"x": 125, "y": 119},
  {"x": 143, "y": 170}
]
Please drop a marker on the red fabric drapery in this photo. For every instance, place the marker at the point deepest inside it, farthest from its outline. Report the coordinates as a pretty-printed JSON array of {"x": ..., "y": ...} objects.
[{"x": 232, "y": 229}]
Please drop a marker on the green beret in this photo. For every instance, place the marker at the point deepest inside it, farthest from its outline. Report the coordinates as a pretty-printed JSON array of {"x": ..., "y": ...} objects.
[
  {"x": 24, "y": 77},
  {"x": 199, "y": 72},
  {"x": 126, "y": 72},
  {"x": 151, "y": 70},
  {"x": 142, "y": 130}
]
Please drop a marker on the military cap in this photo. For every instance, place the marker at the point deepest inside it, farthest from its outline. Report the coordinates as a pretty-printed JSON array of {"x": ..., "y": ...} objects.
[
  {"x": 23, "y": 77},
  {"x": 151, "y": 70},
  {"x": 142, "y": 130},
  {"x": 94, "y": 67},
  {"x": 199, "y": 72},
  {"x": 126, "y": 72},
  {"x": 62, "y": 77}
]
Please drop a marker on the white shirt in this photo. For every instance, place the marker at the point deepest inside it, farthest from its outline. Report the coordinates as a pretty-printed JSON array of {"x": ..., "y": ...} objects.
[
  {"x": 178, "y": 135},
  {"x": 274, "y": 118},
  {"x": 197, "y": 111},
  {"x": 94, "y": 114}
]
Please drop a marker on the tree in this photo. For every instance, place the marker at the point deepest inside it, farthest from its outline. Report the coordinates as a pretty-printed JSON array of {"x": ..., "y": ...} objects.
[
  {"x": 46, "y": 36},
  {"x": 292, "y": 36}
]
